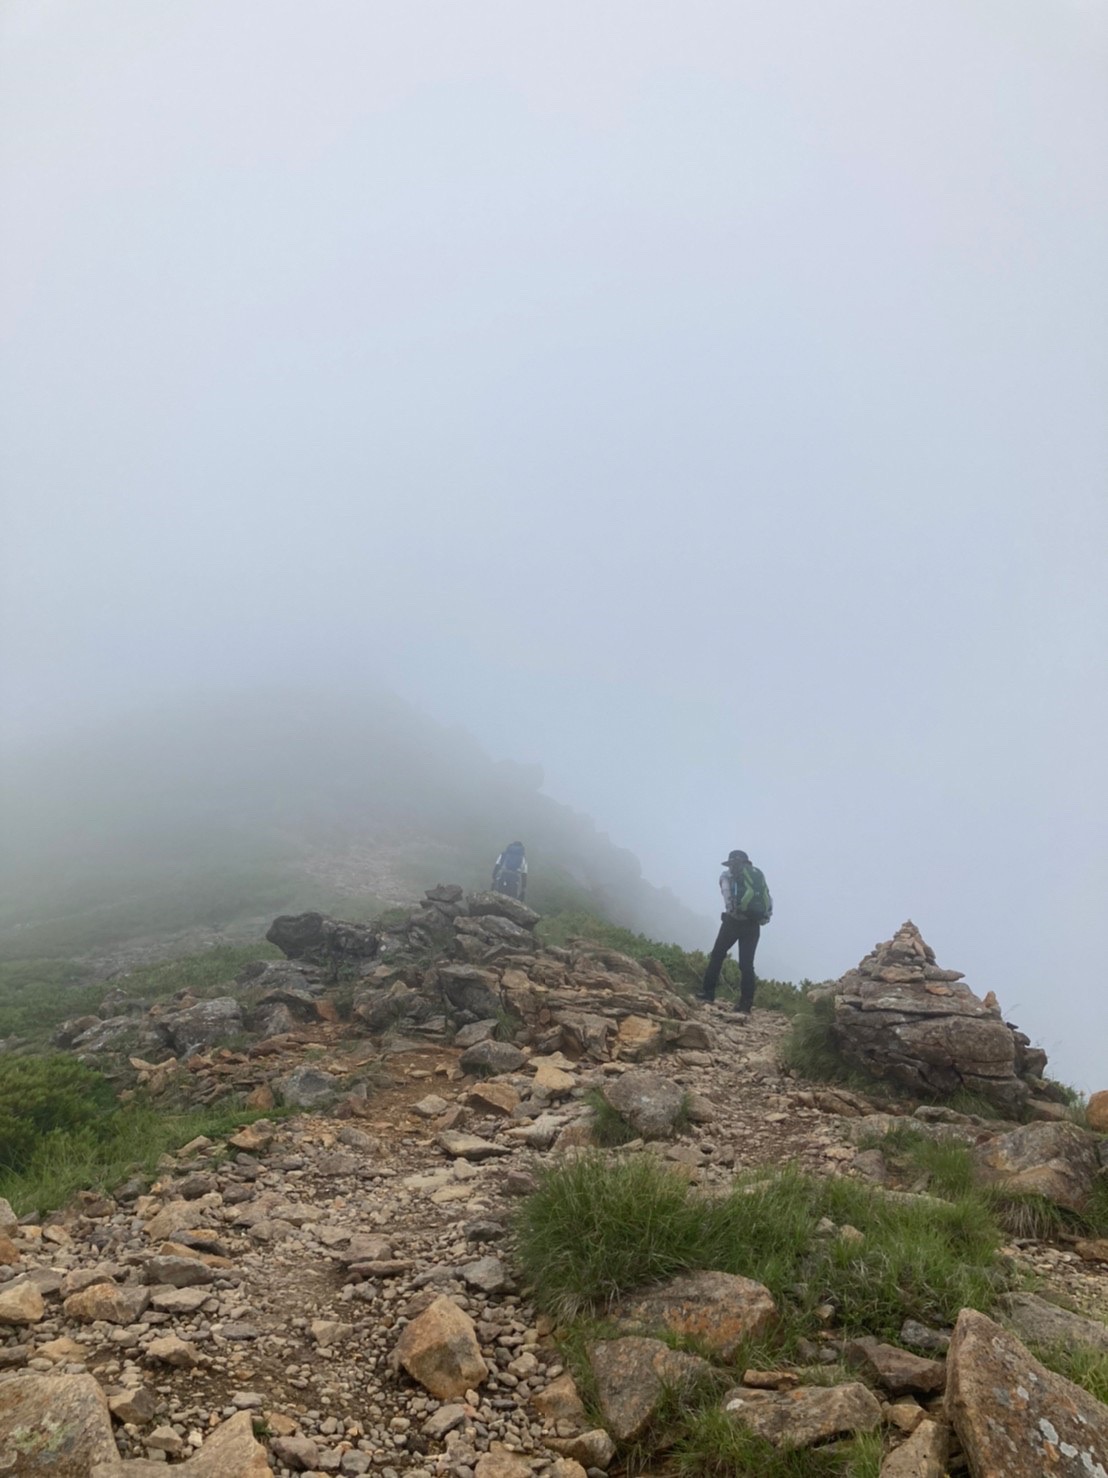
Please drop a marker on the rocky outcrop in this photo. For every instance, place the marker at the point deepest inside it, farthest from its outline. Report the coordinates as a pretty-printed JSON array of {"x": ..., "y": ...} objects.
[
  {"x": 1058, "y": 1161},
  {"x": 899, "y": 1016},
  {"x": 1015, "y": 1417},
  {"x": 323, "y": 940},
  {"x": 1037, "y": 1321}
]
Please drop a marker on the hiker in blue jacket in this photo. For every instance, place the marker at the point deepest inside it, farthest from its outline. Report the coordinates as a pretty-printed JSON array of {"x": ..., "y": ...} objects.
[
  {"x": 509, "y": 873},
  {"x": 747, "y": 906}
]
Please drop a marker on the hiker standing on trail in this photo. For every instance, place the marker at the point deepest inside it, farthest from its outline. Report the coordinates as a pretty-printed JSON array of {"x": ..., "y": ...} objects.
[
  {"x": 509, "y": 874},
  {"x": 747, "y": 906}
]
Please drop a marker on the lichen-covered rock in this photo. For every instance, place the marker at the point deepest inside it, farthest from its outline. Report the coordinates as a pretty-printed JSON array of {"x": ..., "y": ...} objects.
[
  {"x": 806, "y": 1415},
  {"x": 719, "y": 1310},
  {"x": 1015, "y": 1417},
  {"x": 56, "y": 1424},
  {"x": 1058, "y": 1161},
  {"x": 204, "y": 1024}
]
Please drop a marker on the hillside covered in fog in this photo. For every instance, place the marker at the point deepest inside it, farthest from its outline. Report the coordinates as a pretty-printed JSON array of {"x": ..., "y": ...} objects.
[{"x": 204, "y": 820}]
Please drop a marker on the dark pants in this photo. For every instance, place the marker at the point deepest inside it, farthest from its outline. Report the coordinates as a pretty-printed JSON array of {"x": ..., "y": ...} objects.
[{"x": 746, "y": 935}]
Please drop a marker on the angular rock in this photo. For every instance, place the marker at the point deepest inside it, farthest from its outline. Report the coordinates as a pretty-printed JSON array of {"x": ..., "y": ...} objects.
[
  {"x": 21, "y": 1303},
  {"x": 55, "y": 1424},
  {"x": 9, "y": 1222},
  {"x": 498, "y": 1462},
  {"x": 170, "y": 1349},
  {"x": 323, "y": 940},
  {"x": 487, "y": 1275},
  {"x": 469, "y": 1146},
  {"x": 205, "y": 1024},
  {"x": 554, "y": 1081},
  {"x": 297, "y": 1453},
  {"x": 719, "y": 1310},
  {"x": 898, "y": 1371},
  {"x": 180, "y": 1300},
  {"x": 232, "y": 1451},
  {"x": 1058, "y": 1161},
  {"x": 135, "y": 1405},
  {"x": 497, "y": 904},
  {"x": 107, "y": 1302},
  {"x": 560, "y": 1401},
  {"x": 638, "y": 1037},
  {"x": 922, "y": 1456},
  {"x": 593, "y": 1449},
  {"x": 493, "y": 1098},
  {"x": 491, "y": 1058},
  {"x": 439, "y": 1348},
  {"x": 1012, "y": 1415},
  {"x": 180, "y": 1272},
  {"x": 1037, "y": 1321},
  {"x": 650, "y": 1103},
  {"x": 308, "y": 1087},
  {"x": 806, "y": 1415},
  {"x": 632, "y": 1377}
]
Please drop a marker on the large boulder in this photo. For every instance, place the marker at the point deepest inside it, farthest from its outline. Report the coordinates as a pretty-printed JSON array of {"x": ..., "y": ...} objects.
[
  {"x": 651, "y": 1104},
  {"x": 439, "y": 1349},
  {"x": 899, "y": 1016},
  {"x": 719, "y": 1310},
  {"x": 203, "y": 1024},
  {"x": 632, "y": 1377},
  {"x": 1058, "y": 1161},
  {"x": 58, "y": 1425},
  {"x": 322, "y": 940},
  {"x": 1015, "y": 1417}
]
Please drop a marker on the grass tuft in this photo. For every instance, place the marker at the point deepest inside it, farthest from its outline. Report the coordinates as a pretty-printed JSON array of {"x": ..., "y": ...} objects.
[
  {"x": 1086, "y": 1368},
  {"x": 596, "y": 1229}
]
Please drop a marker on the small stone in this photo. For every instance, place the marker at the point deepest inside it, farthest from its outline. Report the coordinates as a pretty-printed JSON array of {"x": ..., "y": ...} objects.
[{"x": 21, "y": 1304}]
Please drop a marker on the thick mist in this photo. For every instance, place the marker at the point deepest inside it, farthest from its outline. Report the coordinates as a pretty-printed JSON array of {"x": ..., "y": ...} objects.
[{"x": 703, "y": 403}]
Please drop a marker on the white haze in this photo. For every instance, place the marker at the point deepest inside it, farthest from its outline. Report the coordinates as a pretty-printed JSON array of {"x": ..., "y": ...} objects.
[{"x": 703, "y": 400}]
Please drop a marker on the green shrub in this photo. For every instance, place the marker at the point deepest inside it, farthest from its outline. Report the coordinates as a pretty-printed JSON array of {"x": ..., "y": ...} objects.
[{"x": 41, "y": 1097}]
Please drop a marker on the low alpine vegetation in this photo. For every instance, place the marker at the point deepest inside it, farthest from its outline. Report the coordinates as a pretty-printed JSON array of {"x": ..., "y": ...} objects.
[{"x": 597, "y": 1228}]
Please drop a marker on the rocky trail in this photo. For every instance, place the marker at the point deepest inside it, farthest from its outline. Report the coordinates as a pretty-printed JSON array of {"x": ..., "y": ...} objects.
[{"x": 334, "y": 1291}]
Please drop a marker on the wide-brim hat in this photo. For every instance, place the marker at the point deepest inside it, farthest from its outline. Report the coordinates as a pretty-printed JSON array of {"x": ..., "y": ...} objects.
[{"x": 736, "y": 856}]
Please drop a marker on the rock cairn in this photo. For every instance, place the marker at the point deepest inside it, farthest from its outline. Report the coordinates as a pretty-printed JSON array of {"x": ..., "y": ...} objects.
[{"x": 899, "y": 1016}]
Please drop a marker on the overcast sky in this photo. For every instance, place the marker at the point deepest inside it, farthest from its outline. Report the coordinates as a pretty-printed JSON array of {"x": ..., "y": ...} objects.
[{"x": 706, "y": 400}]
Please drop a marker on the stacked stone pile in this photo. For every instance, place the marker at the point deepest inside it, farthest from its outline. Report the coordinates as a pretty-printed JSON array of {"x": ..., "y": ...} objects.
[{"x": 899, "y": 1016}]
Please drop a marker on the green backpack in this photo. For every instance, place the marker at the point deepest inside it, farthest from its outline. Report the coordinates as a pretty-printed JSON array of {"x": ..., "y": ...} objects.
[{"x": 750, "y": 895}]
